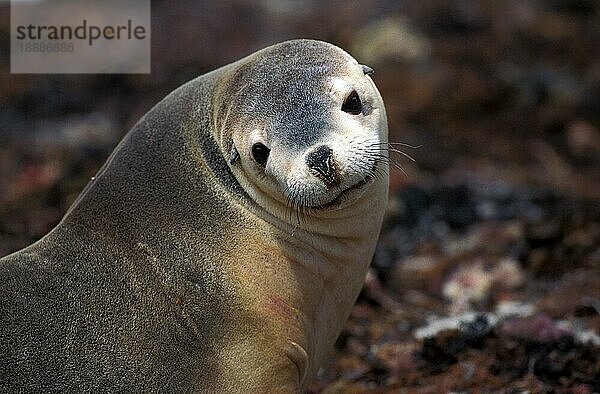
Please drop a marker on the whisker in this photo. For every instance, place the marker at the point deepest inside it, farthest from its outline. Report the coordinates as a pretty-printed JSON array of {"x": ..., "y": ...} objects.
[
  {"x": 403, "y": 154},
  {"x": 389, "y": 161},
  {"x": 392, "y": 149},
  {"x": 400, "y": 144}
]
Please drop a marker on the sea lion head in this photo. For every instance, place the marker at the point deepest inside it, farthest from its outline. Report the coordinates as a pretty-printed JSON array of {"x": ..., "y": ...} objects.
[{"x": 302, "y": 123}]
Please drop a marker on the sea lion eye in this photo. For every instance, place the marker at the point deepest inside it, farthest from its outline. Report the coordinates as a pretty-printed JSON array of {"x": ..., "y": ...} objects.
[
  {"x": 352, "y": 104},
  {"x": 260, "y": 153}
]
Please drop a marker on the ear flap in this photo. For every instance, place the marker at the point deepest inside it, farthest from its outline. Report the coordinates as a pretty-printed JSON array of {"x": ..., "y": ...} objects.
[
  {"x": 235, "y": 155},
  {"x": 367, "y": 70}
]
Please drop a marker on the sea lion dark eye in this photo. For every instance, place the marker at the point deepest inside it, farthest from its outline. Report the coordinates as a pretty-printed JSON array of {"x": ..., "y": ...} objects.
[
  {"x": 352, "y": 105},
  {"x": 260, "y": 153}
]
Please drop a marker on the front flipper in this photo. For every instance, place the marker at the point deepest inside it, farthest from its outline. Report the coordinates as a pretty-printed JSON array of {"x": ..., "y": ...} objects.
[{"x": 299, "y": 357}]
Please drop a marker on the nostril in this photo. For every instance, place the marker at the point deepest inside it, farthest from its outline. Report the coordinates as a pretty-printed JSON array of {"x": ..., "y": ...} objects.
[
  {"x": 321, "y": 162},
  {"x": 319, "y": 157}
]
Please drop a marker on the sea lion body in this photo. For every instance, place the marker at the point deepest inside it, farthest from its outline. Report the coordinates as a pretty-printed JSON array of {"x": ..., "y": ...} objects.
[{"x": 174, "y": 272}]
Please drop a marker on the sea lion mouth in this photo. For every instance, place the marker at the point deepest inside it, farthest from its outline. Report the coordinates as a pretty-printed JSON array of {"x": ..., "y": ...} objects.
[
  {"x": 340, "y": 197},
  {"x": 344, "y": 193}
]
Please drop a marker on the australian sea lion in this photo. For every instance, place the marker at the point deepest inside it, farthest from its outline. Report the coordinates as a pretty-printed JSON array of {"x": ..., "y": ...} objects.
[{"x": 221, "y": 246}]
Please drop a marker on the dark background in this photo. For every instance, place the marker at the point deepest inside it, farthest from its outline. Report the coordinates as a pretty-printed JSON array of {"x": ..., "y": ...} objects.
[{"x": 501, "y": 207}]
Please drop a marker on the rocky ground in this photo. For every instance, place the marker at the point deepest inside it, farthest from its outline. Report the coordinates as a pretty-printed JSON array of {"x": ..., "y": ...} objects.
[{"x": 486, "y": 277}]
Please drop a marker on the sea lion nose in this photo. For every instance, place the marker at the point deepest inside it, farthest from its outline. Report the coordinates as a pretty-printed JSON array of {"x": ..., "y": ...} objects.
[{"x": 321, "y": 163}]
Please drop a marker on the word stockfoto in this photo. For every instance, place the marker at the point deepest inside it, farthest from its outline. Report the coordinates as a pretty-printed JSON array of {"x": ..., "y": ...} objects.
[{"x": 81, "y": 32}]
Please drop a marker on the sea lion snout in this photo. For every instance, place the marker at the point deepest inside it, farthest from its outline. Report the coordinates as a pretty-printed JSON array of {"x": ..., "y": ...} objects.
[{"x": 321, "y": 163}]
